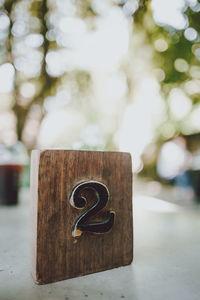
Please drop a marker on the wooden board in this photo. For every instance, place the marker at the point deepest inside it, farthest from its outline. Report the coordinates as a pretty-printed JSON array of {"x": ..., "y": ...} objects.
[{"x": 56, "y": 254}]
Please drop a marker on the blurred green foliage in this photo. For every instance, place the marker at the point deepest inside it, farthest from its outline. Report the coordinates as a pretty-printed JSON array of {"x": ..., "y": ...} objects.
[
  {"x": 179, "y": 62},
  {"x": 175, "y": 57}
]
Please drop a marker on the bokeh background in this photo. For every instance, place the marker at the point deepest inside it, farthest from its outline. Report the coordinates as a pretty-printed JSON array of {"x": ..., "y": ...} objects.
[{"x": 105, "y": 75}]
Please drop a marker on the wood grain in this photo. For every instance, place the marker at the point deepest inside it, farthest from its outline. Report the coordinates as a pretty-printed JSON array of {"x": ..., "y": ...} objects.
[{"x": 56, "y": 255}]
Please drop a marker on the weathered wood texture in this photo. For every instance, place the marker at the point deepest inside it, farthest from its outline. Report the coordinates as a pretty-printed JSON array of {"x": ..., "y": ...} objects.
[{"x": 56, "y": 255}]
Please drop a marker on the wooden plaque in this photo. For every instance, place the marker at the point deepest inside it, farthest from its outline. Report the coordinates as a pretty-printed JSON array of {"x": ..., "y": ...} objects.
[{"x": 64, "y": 187}]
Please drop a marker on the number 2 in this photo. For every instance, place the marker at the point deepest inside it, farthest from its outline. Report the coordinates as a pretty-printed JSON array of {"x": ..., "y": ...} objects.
[{"x": 78, "y": 201}]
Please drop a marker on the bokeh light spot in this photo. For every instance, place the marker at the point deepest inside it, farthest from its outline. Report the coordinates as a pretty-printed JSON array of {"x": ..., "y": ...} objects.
[{"x": 181, "y": 65}]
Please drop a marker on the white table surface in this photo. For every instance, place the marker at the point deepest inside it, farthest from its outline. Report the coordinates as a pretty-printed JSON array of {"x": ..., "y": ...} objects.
[{"x": 166, "y": 264}]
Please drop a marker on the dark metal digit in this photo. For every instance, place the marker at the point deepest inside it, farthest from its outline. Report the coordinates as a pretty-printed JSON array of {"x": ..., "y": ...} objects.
[{"x": 78, "y": 201}]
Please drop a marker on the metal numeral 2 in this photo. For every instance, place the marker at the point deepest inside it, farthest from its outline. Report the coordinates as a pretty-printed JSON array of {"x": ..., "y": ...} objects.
[{"x": 78, "y": 201}]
